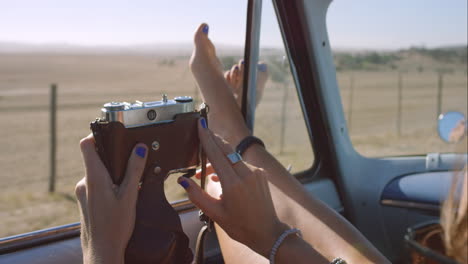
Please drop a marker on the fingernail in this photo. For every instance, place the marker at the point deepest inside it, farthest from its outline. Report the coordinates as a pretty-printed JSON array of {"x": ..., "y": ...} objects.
[
  {"x": 242, "y": 62},
  {"x": 262, "y": 67},
  {"x": 205, "y": 29},
  {"x": 203, "y": 122},
  {"x": 140, "y": 151},
  {"x": 236, "y": 68},
  {"x": 184, "y": 184}
]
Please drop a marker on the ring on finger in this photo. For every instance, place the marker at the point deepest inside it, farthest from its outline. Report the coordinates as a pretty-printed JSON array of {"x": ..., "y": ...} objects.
[{"x": 234, "y": 158}]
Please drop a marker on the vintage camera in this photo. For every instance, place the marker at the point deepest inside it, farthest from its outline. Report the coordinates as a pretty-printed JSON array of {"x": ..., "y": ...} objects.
[
  {"x": 170, "y": 130},
  {"x": 142, "y": 114}
]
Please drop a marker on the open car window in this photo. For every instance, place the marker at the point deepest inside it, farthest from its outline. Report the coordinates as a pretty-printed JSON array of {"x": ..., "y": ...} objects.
[
  {"x": 279, "y": 120},
  {"x": 399, "y": 65},
  {"x": 95, "y": 52}
]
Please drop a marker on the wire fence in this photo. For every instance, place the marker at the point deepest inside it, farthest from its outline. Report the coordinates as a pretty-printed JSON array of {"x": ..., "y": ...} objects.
[
  {"x": 388, "y": 113},
  {"x": 394, "y": 101}
]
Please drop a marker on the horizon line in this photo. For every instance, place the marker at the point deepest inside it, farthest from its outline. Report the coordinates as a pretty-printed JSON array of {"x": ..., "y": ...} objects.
[{"x": 222, "y": 45}]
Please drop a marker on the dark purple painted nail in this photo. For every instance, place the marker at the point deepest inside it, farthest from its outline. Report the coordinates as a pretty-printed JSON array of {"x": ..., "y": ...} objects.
[
  {"x": 140, "y": 151},
  {"x": 262, "y": 67},
  {"x": 205, "y": 29},
  {"x": 236, "y": 68},
  {"x": 242, "y": 62},
  {"x": 184, "y": 184},
  {"x": 203, "y": 122}
]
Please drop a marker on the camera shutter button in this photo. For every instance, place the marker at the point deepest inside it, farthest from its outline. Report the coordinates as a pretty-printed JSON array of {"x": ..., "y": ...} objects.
[{"x": 183, "y": 99}]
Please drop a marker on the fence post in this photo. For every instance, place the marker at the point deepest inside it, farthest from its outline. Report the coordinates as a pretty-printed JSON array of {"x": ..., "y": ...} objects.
[
  {"x": 400, "y": 98},
  {"x": 440, "y": 87},
  {"x": 53, "y": 142},
  {"x": 350, "y": 107},
  {"x": 283, "y": 117}
]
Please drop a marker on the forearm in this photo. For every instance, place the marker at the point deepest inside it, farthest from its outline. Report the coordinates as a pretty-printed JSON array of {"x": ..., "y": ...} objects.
[
  {"x": 327, "y": 231},
  {"x": 296, "y": 250},
  {"x": 111, "y": 257}
]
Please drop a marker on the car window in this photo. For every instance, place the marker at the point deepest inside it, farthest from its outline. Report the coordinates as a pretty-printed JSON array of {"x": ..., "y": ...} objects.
[
  {"x": 279, "y": 118},
  {"x": 399, "y": 65},
  {"x": 95, "y": 52}
]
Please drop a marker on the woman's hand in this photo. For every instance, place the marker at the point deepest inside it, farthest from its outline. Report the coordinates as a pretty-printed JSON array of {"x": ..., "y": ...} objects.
[
  {"x": 107, "y": 211},
  {"x": 245, "y": 210}
]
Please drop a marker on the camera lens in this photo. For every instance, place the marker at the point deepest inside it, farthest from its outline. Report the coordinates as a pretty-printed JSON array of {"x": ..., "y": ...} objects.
[{"x": 151, "y": 114}]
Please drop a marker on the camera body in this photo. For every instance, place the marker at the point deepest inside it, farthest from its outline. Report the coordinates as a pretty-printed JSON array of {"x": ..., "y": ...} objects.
[{"x": 169, "y": 128}]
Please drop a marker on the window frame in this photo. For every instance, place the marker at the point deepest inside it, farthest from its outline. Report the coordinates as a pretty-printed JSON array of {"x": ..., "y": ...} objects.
[{"x": 293, "y": 27}]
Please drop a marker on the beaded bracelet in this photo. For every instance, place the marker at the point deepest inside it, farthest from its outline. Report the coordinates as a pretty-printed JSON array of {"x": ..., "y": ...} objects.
[{"x": 280, "y": 240}]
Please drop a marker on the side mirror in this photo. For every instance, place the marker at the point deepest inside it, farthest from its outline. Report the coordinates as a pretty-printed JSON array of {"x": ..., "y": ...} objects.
[{"x": 452, "y": 127}]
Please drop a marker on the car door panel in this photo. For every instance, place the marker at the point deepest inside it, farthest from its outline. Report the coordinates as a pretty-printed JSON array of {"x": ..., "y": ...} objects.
[
  {"x": 360, "y": 181},
  {"x": 424, "y": 189},
  {"x": 69, "y": 250}
]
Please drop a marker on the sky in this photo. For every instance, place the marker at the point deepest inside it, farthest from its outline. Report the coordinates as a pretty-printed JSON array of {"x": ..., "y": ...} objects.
[{"x": 374, "y": 24}]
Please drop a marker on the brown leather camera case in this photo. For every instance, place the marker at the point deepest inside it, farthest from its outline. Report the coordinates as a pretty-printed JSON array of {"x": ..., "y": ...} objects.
[{"x": 158, "y": 236}]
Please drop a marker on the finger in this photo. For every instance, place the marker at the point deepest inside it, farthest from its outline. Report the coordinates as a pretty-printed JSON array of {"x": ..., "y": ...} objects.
[
  {"x": 241, "y": 70},
  {"x": 209, "y": 170},
  {"x": 227, "y": 76},
  {"x": 135, "y": 167},
  {"x": 214, "y": 177},
  {"x": 261, "y": 181},
  {"x": 235, "y": 74},
  {"x": 216, "y": 156},
  {"x": 97, "y": 177},
  {"x": 240, "y": 167},
  {"x": 209, "y": 205},
  {"x": 80, "y": 193}
]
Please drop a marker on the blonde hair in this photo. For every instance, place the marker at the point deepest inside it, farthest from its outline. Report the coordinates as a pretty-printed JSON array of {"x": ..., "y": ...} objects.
[{"x": 454, "y": 219}]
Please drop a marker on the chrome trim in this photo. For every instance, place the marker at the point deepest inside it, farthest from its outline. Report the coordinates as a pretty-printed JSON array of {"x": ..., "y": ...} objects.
[
  {"x": 13, "y": 243},
  {"x": 36, "y": 238},
  {"x": 411, "y": 205}
]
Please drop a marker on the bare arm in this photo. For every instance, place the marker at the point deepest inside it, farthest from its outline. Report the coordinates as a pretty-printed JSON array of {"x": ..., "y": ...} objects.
[
  {"x": 326, "y": 230},
  {"x": 296, "y": 250}
]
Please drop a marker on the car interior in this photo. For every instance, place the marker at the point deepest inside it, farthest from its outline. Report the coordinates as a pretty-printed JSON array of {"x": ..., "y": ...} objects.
[{"x": 381, "y": 195}]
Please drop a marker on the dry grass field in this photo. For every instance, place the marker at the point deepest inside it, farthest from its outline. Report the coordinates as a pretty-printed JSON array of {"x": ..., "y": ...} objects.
[{"x": 85, "y": 82}]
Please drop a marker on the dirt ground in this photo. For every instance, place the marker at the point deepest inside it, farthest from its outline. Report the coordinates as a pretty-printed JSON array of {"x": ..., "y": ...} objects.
[{"x": 85, "y": 82}]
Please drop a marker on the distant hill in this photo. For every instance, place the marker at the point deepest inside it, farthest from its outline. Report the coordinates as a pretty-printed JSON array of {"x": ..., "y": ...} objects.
[
  {"x": 166, "y": 49},
  {"x": 446, "y": 58},
  {"x": 413, "y": 58}
]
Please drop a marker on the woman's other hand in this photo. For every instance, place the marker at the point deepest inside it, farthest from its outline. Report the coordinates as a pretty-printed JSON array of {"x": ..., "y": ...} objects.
[
  {"x": 245, "y": 210},
  {"x": 107, "y": 211}
]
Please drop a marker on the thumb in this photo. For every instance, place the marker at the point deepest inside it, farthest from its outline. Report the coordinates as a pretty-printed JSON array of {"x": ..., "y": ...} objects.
[
  {"x": 209, "y": 205},
  {"x": 135, "y": 167}
]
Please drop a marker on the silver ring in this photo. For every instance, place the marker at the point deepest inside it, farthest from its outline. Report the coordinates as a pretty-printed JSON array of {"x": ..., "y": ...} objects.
[{"x": 234, "y": 157}]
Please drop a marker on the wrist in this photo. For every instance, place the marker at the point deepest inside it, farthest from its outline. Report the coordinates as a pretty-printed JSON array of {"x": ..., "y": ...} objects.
[
  {"x": 104, "y": 257},
  {"x": 290, "y": 244},
  {"x": 252, "y": 152},
  {"x": 265, "y": 247},
  {"x": 283, "y": 239}
]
